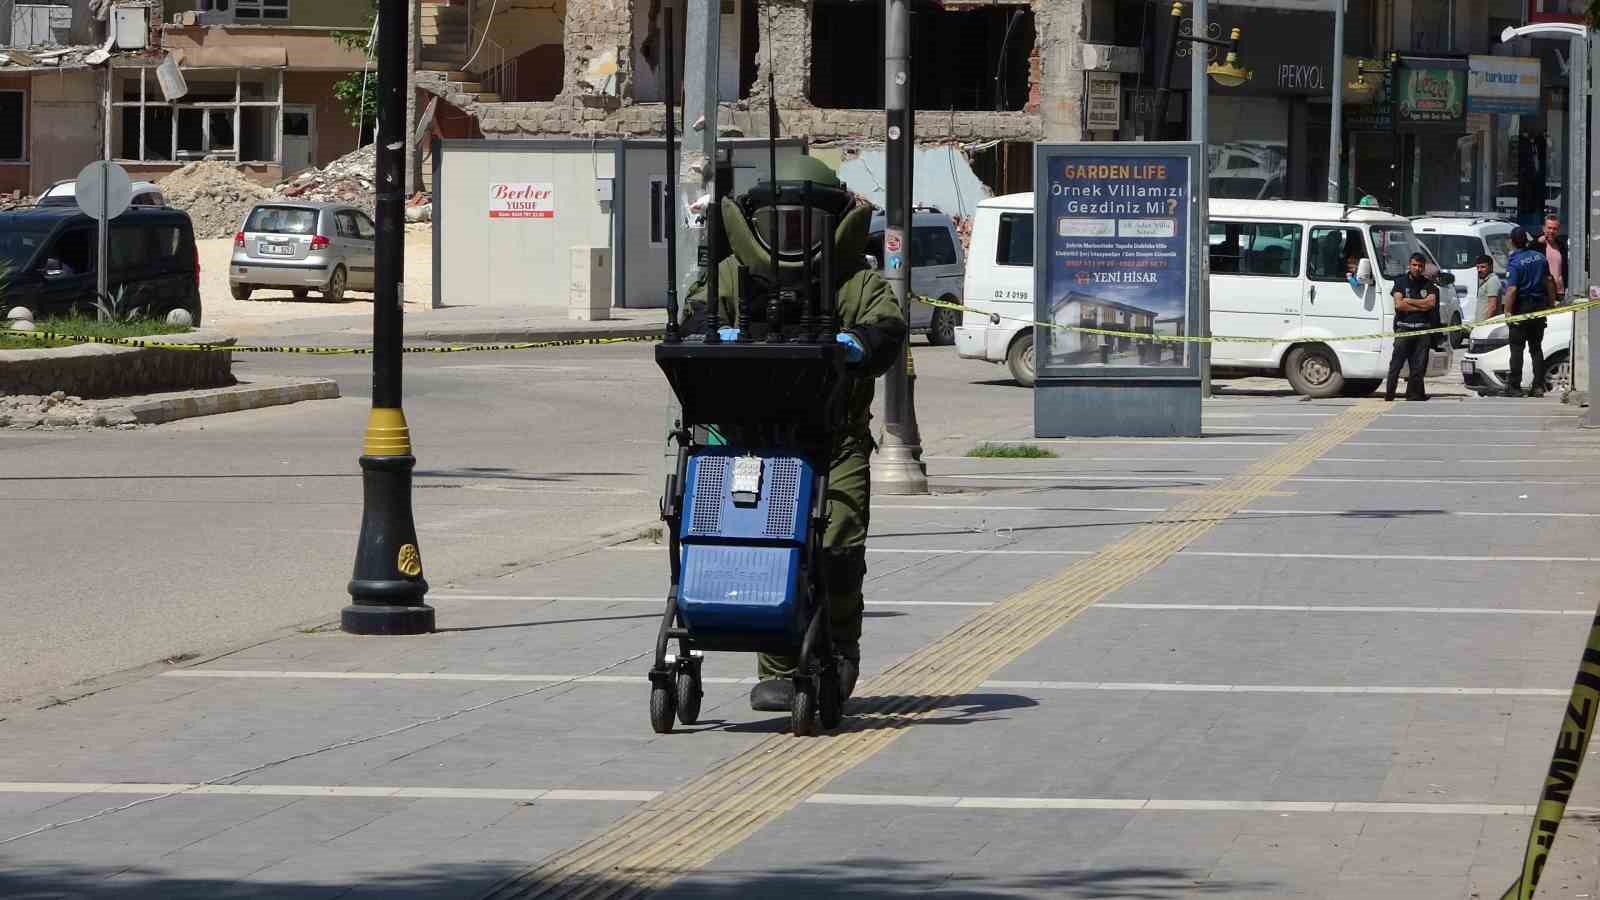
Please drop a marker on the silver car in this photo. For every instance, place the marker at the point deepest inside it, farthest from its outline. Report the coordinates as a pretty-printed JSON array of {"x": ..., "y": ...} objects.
[
  {"x": 325, "y": 247},
  {"x": 938, "y": 268}
]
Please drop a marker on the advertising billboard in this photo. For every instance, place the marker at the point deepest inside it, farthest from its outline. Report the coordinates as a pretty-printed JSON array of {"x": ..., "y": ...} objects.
[{"x": 1120, "y": 251}]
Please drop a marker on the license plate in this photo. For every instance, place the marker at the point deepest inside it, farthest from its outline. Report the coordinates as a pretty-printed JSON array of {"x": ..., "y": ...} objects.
[
  {"x": 275, "y": 249},
  {"x": 1468, "y": 367}
]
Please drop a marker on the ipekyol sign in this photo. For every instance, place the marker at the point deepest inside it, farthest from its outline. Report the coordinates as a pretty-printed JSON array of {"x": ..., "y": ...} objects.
[
  {"x": 522, "y": 200},
  {"x": 1118, "y": 244}
]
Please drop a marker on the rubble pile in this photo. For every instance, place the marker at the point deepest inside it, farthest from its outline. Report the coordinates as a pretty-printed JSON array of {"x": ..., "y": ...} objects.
[
  {"x": 351, "y": 179},
  {"x": 216, "y": 196}
]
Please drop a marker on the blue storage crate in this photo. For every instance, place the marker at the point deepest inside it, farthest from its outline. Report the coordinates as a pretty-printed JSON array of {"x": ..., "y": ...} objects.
[{"x": 741, "y": 560}]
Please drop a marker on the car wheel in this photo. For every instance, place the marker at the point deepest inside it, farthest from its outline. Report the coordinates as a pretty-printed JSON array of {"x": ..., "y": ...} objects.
[
  {"x": 1313, "y": 371},
  {"x": 241, "y": 292},
  {"x": 1458, "y": 339},
  {"x": 1558, "y": 372},
  {"x": 301, "y": 293},
  {"x": 1020, "y": 359},
  {"x": 942, "y": 330},
  {"x": 336, "y": 284}
]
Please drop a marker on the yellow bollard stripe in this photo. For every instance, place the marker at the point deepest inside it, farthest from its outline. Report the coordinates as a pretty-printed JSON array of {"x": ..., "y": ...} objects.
[
  {"x": 1572, "y": 744},
  {"x": 684, "y": 829}
]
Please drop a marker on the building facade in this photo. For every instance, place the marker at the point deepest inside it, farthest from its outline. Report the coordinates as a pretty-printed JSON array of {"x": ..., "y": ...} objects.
[{"x": 259, "y": 77}]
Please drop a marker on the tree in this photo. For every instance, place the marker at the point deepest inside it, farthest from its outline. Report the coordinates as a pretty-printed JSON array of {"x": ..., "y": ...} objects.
[{"x": 358, "y": 91}]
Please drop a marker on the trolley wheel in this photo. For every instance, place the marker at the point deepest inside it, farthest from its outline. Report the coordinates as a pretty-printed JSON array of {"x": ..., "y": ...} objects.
[
  {"x": 662, "y": 708},
  {"x": 830, "y": 703},
  {"x": 689, "y": 695},
  {"x": 803, "y": 713}
]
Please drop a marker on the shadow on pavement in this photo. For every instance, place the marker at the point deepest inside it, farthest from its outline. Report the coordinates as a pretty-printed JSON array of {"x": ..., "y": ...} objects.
[{"x": 857, "y": 878}]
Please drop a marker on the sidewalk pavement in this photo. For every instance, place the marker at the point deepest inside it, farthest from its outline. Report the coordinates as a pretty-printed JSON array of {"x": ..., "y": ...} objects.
[
  {"x": 454, "y": 325},
  {"x": 1338, "y": 677}
]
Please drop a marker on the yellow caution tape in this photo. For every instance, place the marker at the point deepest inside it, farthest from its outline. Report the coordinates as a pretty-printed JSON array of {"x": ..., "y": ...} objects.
[
  {"x": 322, "y": 351},
  {"x": 1232, "y": 339},
  {"x": 1572, "y": 744}
]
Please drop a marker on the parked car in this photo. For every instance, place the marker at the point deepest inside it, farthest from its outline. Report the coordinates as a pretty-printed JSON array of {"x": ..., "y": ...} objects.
[
  {"x": 325, "y": 247},
  {"x": 1486, "y": 367},
  {"x": 1456, "y": 240},
  {"x": 1277, "y": 271},
  {"x": 65, "y": 193},
  {"x": 938, "y": 265},
  {"x": 51, "y": 254}
]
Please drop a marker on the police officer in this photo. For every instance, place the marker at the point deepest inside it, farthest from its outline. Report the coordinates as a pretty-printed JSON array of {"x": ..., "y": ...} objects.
[
  {"x": 1416, "y": 298},
  {"x": 1529, "y": 288},
  {"x": 873, "y": 331}
]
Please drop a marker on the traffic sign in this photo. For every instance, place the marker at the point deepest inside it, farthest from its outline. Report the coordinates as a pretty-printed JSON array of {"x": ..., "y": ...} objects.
[{"x": 103, "y": 190}]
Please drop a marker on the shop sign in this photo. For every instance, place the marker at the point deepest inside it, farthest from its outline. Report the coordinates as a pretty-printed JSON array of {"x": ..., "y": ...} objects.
[
  {"x": 1104, "y": 101},
  {"x": 1291, "y": 53},
  {"x": 1502, "y": 84},
  {"x": 1120, "y": 251},
  {"x": 1432, "y": 94},
  {"x": 1558, "y": 11},
  {"x": 522, "y": 200},
  {"x": 1111, "y": 58}
]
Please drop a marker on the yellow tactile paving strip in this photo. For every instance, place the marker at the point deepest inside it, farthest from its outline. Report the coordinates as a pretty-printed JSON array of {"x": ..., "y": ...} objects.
[{"x": 686, "y": 828}]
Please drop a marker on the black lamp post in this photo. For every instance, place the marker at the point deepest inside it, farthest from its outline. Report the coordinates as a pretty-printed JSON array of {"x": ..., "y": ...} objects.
[
  {"x": 1227, "y": 73},
  {"x": 387, "y": 589}
]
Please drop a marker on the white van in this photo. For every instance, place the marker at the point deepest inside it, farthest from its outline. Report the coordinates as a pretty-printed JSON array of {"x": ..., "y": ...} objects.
[{"x": 1278, "y": 271}]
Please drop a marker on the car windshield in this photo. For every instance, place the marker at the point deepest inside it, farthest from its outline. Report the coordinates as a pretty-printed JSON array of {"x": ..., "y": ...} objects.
[
  {"x": 1395, "y": 244},
  {"x": 281, "y": 220},
  {"x": 17, "y": 247}
]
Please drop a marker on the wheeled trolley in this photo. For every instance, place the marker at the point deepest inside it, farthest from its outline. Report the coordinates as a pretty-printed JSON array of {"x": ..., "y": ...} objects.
[{"x": 745, "y": 519}]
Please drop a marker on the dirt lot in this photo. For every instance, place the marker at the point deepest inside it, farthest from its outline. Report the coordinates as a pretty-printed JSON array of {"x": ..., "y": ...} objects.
[{"x": 266, "y": 307}]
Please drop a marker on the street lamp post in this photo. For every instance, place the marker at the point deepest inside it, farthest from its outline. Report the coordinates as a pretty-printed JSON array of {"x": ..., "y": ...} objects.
[
  {"x": 387, "y": 589},
  {"x": 898, "y": 469},
  {"x": 1336, "y": 113}
]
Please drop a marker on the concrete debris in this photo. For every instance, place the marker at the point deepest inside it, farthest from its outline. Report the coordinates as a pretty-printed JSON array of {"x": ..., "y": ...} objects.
[
  {"x": 58, "y": 410},
  {"x": 216, "y": 195},
  {"x": 351, "y": 179}
]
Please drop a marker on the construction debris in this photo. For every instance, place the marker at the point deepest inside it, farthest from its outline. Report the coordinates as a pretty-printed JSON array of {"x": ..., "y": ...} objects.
[
  {"x": 216, "y": 195},
  {"x": 351, "y": 179}
]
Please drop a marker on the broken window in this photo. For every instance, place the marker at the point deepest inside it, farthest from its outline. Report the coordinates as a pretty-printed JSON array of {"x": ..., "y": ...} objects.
[
  {"x": 736, "y": 63},
  {"x": 964, "y": 59},
  {"x": 13, "y": 118},
  {"x": 228, "y": 114}
]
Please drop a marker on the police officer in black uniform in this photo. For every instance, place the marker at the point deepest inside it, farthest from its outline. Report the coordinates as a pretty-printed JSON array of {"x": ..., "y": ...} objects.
[{"x": 1416, "y": 298}]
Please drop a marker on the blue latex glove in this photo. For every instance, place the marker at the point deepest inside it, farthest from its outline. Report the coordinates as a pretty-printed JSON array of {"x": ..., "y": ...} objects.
[
  {"x": 1353, "y": 281},
  {"x": 853, "y": 351},
  {"x": 728, "y": 333}
]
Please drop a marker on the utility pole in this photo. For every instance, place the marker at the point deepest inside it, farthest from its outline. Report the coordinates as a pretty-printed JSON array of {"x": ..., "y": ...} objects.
[
  {"x": 387, "y": 589},
  {"x": 697, "y": 158},
  {"x": 897, "y": 469},
  {"x": 1199, "y": 131},
  {"x": 1336, "y": 114}
]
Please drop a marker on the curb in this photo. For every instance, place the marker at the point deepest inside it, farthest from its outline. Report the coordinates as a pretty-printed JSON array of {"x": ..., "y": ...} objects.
[
  {"x": 535, "y": 335},
  {"x": 231, "y": 399}
]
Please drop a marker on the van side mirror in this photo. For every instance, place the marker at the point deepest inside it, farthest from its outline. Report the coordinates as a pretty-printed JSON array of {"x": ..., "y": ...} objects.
[
  {"x": 53, "y": 268},
  {"x": 1447, "y": 278},
  {"x": 1364, "y": 271}
]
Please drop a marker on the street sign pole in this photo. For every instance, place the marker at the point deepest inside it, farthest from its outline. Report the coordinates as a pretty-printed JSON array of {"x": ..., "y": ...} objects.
[
  {"x": 897, "y": 469},
  {"x": 103, "y": 192}
]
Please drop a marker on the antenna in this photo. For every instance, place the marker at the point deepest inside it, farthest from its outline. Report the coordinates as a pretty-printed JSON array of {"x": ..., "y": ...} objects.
[
  {"x": 671, "y": 79},
  {"x": 772, "y": 150}
]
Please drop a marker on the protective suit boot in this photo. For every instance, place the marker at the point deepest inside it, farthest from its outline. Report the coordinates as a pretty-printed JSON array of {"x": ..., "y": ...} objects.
[
  {"x": 849, "y": 668},
  {"x": 772, "y": 695}
]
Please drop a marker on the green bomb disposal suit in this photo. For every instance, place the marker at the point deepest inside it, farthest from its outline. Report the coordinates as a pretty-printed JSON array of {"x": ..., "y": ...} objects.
[{"x": 866, "y": 309}]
